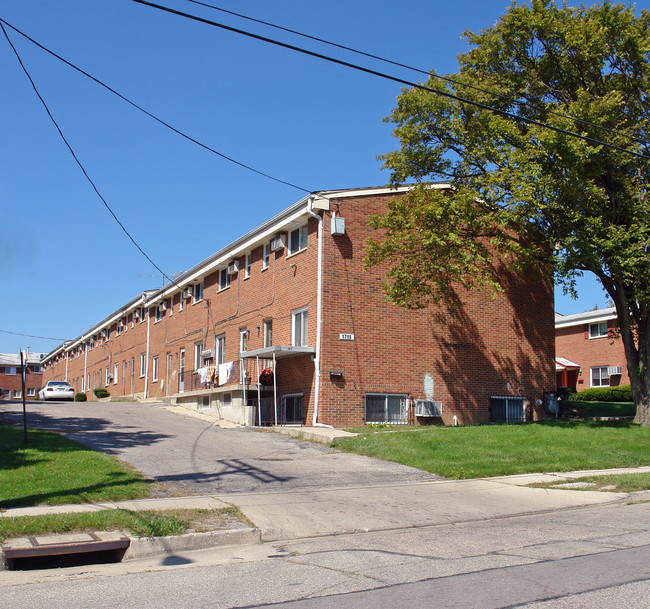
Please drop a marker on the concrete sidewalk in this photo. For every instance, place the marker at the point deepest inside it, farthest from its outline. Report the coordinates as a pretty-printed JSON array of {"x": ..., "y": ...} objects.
[{"x": 301, "y": 514}]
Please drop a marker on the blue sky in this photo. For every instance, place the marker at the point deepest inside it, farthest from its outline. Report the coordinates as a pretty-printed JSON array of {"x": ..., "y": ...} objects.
[{"x": 64, "y": 262}]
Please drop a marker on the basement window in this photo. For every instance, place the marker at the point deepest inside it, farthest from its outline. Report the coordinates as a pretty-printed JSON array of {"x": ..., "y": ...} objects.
[{"x": 386, "y": 408}]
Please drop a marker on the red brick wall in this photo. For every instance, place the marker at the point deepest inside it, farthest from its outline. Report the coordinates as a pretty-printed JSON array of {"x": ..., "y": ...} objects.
[
  {"x": 477, "y": 348},
  {"x": 573, "y": 343},
  {"x": 13, "y": 382}
]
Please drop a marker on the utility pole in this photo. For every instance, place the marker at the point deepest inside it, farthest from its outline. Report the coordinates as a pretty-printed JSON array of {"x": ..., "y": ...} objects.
[{"x": 23, "y": 365}]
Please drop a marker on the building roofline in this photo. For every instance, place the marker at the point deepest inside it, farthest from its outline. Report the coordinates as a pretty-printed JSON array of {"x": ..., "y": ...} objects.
[
  {"x": 297, "y": 212},
  {"x": 592, "y": 317}
]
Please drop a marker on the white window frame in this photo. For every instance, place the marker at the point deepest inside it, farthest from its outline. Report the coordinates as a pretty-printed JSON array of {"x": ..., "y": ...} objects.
[
  {"x": 116, "y": 369},
  {"x": 220, "y": 349},
  {"x": 180, "y": 302},
  {"x": 31, "y": 392},
  {"x": 599, "y": 374},
  {"x": 268, "y": 332},
  {"x": 243, "y": 339},
  {"x": 224, "y": 279},
  {"x": 143, "y": 364},
  {"x": 154, "y": 366},
  {"x": 198, "y": 361},
  {"x": 8, "y": 370},
  {"x": 197, "y": 292},
  {"x": 266, "y": 255},
  {"x": 108, "y": 374},
  {"x": 300, "y": 235},
  {"x": 16, "y": 394},
  {"x": 118, "y": 329},
  {"x": 300, "y": 316},
  {"x": 386, "y": 420},
  {"x": 596, "y": 330},
  {"x": 247, "y": 265},
  {"x": 171, "y": 305},
  {"x": 158, "y": 314}
]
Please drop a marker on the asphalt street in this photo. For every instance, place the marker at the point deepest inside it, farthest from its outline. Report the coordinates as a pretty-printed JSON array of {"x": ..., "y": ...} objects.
[
  {"x": 195, "y": 456},
  {"x": 593, "y": 557}
]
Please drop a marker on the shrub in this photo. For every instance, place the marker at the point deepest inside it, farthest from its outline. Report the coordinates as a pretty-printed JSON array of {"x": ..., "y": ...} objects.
[
  {"x": 80, "y": 397},
  {"x": 603, "y": 394},
  {"x": 100, "y": 392}
]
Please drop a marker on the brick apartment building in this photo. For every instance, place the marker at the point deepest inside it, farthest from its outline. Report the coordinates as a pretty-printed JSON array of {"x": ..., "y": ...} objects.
[
  {"x": 11, "y": 385},
  {"x": 587, "y": 353},
  {"x": 285, "y": 325}
]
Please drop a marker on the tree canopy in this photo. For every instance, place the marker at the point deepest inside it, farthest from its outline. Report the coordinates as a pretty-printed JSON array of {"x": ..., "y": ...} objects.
[{"x": 547, "y": 155}]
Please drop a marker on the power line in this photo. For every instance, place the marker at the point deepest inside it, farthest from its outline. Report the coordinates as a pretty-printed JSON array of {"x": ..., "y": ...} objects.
[
  {"x": 403, "y": 81},
  {"x": 33, "y": 336},
  {"x": 420, "y": 71},
  {"x": 153, "y": 116},
  {"x": 108, "y": 207}
]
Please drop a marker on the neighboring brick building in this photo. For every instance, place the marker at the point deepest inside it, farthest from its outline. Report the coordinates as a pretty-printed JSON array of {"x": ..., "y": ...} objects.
[
  {"x": 11, "y": 381},
  {"x": 293, "y": 295},
  {"x": 588, "y": 353}
]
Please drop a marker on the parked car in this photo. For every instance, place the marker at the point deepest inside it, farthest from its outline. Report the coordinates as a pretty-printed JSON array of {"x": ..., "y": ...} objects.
[{"x": 56, "y": 390}]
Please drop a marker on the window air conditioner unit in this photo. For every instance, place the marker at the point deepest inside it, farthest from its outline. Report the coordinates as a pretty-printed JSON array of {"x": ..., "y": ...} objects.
[
  {"x": 120, "y": 323},
  {"x": 278, "y": 242},
  {"x": 103, "y": 333},
  {"x": 207, "y": 353},
  {"x": 137, "y": 314},
  {"x": 614, "y": 370},
  {"x": 163, "y": 305},
  {"x": 187, "y": 293},
  {"x": 428, "y": 408},
  {"x": 233, "y": 267}
]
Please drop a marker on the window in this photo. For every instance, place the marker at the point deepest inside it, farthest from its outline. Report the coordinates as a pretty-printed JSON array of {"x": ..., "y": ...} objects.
[
  {"x": 198, "y": 347},
  {"x": 247, "y": 266},
  {"x": 292, "y": 408},
  {"x": 108, "y": 334},
  {"x": 507, "y": 409},
  {"x": 17, "y": 394},
  {"x": 297, "y": 240},
  {"x": 171, "y": 306},
  {"x": 266, "y": 256},
  {"x": 268, "y": 333},
  {"x": 10, "y": 369},
  {"x": 143, "y": 364},
  {"x": 31, "y": 392},
  {"x": 154, "y": 374},
  {"x": 108, "y": 375},
  {"x": 143, "y": 314},
  {"x": 118, "y": 329},
  {"x": 299, "y": 328},
  {"x": 91, "y": 344},
  {"x": 386, "y": 408},
  {"x": 158, "y": 314},
  {"x": 243, "y": 339},
  {"x": 221, "y": 349},
  {"x": 598, "y": 330},
  {"x": 599, "y": 377},
  {"x": 224, "y": 279},
  {"x": 226, "y": 400},
  {"x": 37, "y": 369},
  {"x": 198, "y": 292},
  {"x": 115, "y": 371}
]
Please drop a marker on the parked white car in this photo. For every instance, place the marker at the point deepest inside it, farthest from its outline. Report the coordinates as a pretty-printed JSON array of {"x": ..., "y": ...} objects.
[{"x": 56, "y": 390}]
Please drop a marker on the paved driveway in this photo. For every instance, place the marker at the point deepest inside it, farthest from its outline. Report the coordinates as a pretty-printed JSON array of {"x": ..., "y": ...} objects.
[{"x": 196, "y": 456}]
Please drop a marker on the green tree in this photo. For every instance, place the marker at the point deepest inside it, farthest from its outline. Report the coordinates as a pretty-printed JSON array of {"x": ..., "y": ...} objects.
[{"x": 539, "y": 199}]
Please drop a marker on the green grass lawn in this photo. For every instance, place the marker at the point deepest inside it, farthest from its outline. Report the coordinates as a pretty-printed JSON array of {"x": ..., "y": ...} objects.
[
  {"x": 604, "y": 409},
  {"x": 494, "y": 450},
  {"x": 53, "y": 470},
  {"x": 143, "y": 523}
]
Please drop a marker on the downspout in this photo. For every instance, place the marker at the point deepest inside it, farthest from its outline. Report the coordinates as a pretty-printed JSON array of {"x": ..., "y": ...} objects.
[
  {"x": 83, "y": 384},
  {"x": 67, "y": 357},
  {"x": 319, "y": 312},
  {"x": 146, "y": 366}
]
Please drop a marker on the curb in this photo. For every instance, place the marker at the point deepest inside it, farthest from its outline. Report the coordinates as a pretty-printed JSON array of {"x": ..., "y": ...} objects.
[{"x": 147, "y": 547}]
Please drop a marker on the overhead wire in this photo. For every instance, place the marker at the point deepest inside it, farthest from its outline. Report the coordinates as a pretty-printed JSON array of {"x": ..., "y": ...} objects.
[
  {"x": 33, "y": 336},
  {"x": 153, "y": 116},
  {"x": 76, "y": 158},
  {"x": 431, "y": 74},
  {"x": 385, "y": 76}
]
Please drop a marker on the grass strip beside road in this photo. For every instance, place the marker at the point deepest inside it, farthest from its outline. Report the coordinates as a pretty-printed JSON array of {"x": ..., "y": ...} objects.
[
  {"x": 142, "y": 523},
  {"x": 52, "y": 470},
  {"x": 499, "y": 450},
  {"x": 614, "y": 483}
]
